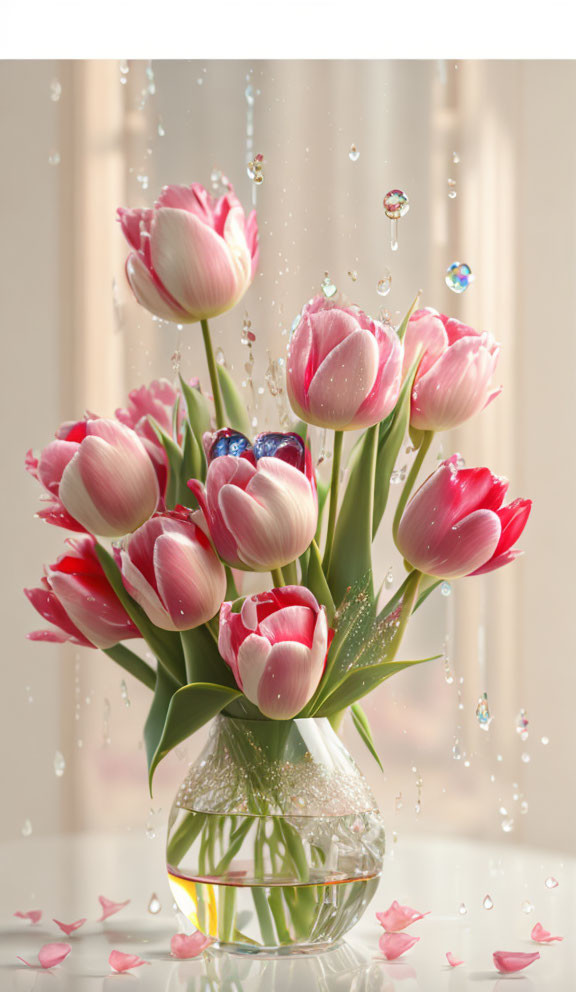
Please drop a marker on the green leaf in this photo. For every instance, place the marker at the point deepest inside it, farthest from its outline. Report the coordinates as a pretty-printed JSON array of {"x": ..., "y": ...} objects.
[
  {"x": 360, "y": 721},
  {"x": 301, "y": 428},
  {"x": 191, "y": 467},
  {"x": 154, "y": 726},
  {"x": 323, "y": 489},
  {"x": 391, "y": 436},
  {"x": 198, "y": 410},
  {"x": 317, "y": 584},
  {"x": 402, "y": 329},
  {"x": 362, "y": 681},
  {"x": 203, "y": 660},
  {"x": 189, "y": 709},
  {"x": 235, "y": 409},
  {"x": 132, "y": 663},
  {"x": 174, "y": 456},
  {"x": 352, "y": 550},
  {"x": 164, "y": 643}
]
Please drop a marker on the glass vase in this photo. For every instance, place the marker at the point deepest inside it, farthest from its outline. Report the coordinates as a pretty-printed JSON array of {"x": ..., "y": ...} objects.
[{"x": 275, "y": 841}]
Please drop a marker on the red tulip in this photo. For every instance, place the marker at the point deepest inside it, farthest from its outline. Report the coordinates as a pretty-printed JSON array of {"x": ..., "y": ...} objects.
[
  {"x": 456, "y": 525},
  {"x": 77, "y": 598}
]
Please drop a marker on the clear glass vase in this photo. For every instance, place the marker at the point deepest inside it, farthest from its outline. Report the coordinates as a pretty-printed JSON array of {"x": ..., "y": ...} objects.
[{"x": 275, "y": 841}]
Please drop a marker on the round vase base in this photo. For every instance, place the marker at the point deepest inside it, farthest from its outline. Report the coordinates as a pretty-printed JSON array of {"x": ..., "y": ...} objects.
[{"x": 283, "y": 950}]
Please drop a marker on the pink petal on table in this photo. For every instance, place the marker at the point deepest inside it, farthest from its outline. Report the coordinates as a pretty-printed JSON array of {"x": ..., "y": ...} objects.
[
  {"x": 69, "y": 928},
  {"x": 399, "y": 917},
  {"x": 507, "y": 961},
  {"x": 452, "y": 960},
  {"x": 185, "y": 945},
  {"x": 50, "y": 955},
  {"x": 124, "y": 962},
  {"x": 393, "y": 945},
  {"x": 541, "y": 935},
  {"x": 109, "y": 907},
  {"x": 34, "y": 915}
]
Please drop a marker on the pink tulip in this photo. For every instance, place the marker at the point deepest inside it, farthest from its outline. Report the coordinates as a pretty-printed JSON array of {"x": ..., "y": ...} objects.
[
  {"x": 344, "y": 369},
  {"x": 259, "y": 503},
  {"x": 393, "y": 945},
  {"x": 77, "y": 598},
  {"x": 193, "y": 256},
  {"x": 509, "y": 961},
  {"x": 100, "y": 473},
  {"x": 456, "y": 525},
  {"x": 276, "y": 647},
  {"x": 170, "y": 568},
  {"x": 453, "y": 381},
  {"x": 399, "y": 917}
]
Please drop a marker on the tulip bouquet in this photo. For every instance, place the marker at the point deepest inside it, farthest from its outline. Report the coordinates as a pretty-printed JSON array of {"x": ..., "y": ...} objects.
[{"x": 191, "y": 502}]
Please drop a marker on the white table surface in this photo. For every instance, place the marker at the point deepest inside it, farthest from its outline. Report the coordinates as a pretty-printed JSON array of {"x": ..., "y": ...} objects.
[{"x": 63, "y": 877}]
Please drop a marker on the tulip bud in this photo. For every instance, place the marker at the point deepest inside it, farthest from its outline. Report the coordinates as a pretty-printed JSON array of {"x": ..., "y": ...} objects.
[
  {"x": 193, "y": 256},
  {"x": 77, "y": 598},
  {"x": 456, "y": 525},
  {"x": 276, "y": 647},
  {"x": 453, "y": 381},
  {"x": 259, "y": 502},
  {"x": 169, "y": 567},
  {"x": 344, "y": 369}
]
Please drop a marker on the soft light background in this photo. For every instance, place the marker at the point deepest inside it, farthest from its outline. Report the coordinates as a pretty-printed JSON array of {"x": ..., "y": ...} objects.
[{"x": 81, "y": 138}]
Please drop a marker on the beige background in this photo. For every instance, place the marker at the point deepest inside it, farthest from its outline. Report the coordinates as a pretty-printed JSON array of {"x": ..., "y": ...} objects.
[{"x": 73, "y": 338}]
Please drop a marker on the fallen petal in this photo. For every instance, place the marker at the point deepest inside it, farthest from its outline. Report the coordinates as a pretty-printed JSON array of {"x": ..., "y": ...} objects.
[
  {"x": 507, "y": 961},
  {"x": 34, "y": 915},
  {"x": 124, "y": 962},
  {"x": 185, "y": 945},
  {"x": 69, "y": 928},
  {"x": 393, "y": 945},
  {"x": 452, "y": 961},
  {"x": 398, "y": 917},
  {"x": 109, "y": 907},
  {"x": 541, "y": 935}
]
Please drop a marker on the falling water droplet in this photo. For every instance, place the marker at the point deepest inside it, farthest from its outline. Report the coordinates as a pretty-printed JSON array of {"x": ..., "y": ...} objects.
[
  {"x": 160, "y": 130},
  {"x": 124, "y": 70},
  {"x": 353, "y": 274},
  {"x": 255, "y": 169},
  {"x": 396, "y": 204},
  {"x": 458, "y": 277},
  {"x": 398, "y": 804},
  {"x": 385, "y": 284},
  {"x": 446, "y": 589},
  {"x": 507, "y": 825},
  {"x": 353, "y": 154},
  {"x": 455, "y": 158},
  {"x": 154, "y": 906},
  {"x": 545, "y": 740},
  {"x": 389, "y": 580},
  {"x": 59, "y": 764},
  {"x": 522, "y": 725},
  {"x": 462, "y": 909},
  {"x": 456, "y": 752},
  {"x": 525, "y": 757},
  {"x": 487, "y": 904},
  {"x": 399, "y": 475},
  {"x": 527, "y": 906},
  {"x": 523, "y": 807},
  {"x": 124, "y": 693},
  {"x": 55, "y": 90},
  {"x": 27, "y": 829},
  {"x": 249, "y": 94},
  {"x": 29, "y": 696},
  {"x": 105, "y": 723},
  {"x": 452, "y": 194},
  {"x": 54, "y": 158},
  {"x": 483, "y": 713},
  {"x": 551, "y": 882},
  {"x": 220, "y": 357},
  {"x": 328, "y": 287}
]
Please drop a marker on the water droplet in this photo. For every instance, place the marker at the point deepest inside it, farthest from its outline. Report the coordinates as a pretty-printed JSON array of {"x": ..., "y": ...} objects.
[
  {"x": 456, "y": 752},
  {"x": 507, "y": 825},
  {"x": 249, "y": 94},
  {"x": 483, "y": 713},
  {"x": 353, "y": 154},
  {"x": 398, "y": 803},
  {"x": 55, "y": 90},
  {"x": 462, "y": 909},
  {"x": 105, "y": 724},
  {"x": 220, "y": 357},
  {"x": 545, "y": 740},
  {"x": 487, "y": 904},
  {"x": 458, "y": 277},
  {"x": 59, "y": 764},
  {"x": 523, "y": 807},
  {"x": 522, "y": 725},
  {"x": 254, "y": 169},
  {"x": 160, "y": 129},
  {"x": 551, "y": 882},
  {"x": 385, "y": 284},
  {"x": 452, "y": 189},
  {"x": 396, "y": 204},
  {"x": 328, "y": 287},
  {"x": 154, "y": 905},
  {"x": 353, "y": 274},
  {"x": 527, "y": 906},
  {"x": 446, "y": 589},
  {"x": 54, "y": 158},
  {"x": 124, "y": 70},
  {"x": 455, "y": 158},
  {"x": 124, "y": 693},
  {"x": 399, "y": 475},
  {"x": 525, "y": 757},
  {"x": 389, "y": 580},
  {"x": 26, "y": 828},
  {"x": 29, "y": 696}
]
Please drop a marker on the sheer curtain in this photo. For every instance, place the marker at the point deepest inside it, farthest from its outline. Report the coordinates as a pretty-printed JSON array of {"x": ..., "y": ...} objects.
[{"x": 122, "y": 130}]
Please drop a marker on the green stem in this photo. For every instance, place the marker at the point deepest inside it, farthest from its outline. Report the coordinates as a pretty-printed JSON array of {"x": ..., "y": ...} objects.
[
  {"x": 334, "y": 486},
  {"x": 408, "y": 601},
  {"x": 291, "y": 573},
  {"x": 277, "y": 577},
  {"x": 214, "y": 380},
  {"x": 132, "y": 663},
  {"x": 412, "y": 476}
]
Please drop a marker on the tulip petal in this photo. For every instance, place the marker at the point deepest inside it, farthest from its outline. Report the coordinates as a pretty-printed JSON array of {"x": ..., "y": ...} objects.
[
  {"x": 185, "y": 945},
  {"x": 93, "y": 607},
  {"x": 48, "y": 606},
  {"x": 383, "y": 396},
  {"x": 343, "y": 380},
  {"x": 455, "y": 388},
  {"x": 69, "y": 928},
  {"x": 150, "y": 294},
  {"x": 53, "y": 954},
  {"x": 393, "y": 945},
  {"x": 191, "y": 579},
  {"x": 542, "y": 936},
  {"x": 509, "y": 961},
  {"x": 452, "y": 961},
  {"x": 109, "y": 907},
  {"x": 513, "y": 519},
  {"x": 499, "y": 562},
  {"x": 120, "y": 961},
  {"x": 252, "y": 656},
  {"x": 398, "y": 917},
  {"x": 34, "y": 915},
  {"x": 144, "y": 594},
  {"x": 465, "y": 547},
  {"x": 52, "y": 461},
  {"x": 289, "y": 680},
  {"x": 194, "y": 263},
  {"x": 293, "y": 623},
  {"x": 425, "y": 334}
]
